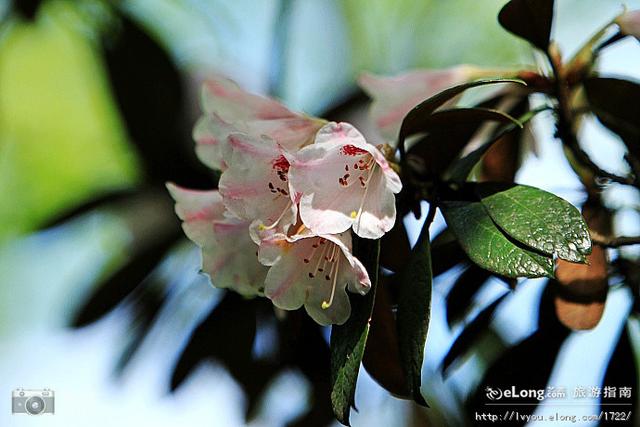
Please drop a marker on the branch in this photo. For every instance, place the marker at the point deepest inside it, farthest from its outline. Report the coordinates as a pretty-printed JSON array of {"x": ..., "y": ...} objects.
[
  {"x": 612, "y": 241},
  {"x": 565, "y": 126},
  {"x": 586, "y": 161}
]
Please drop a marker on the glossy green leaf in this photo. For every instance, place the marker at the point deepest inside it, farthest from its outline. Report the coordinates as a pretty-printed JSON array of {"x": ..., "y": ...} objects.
[
  {"x": 488, "y": 246},
  {"x": 348, "y": 340},
  {"x": 415, "y": 119},
  {"x": 538, "y": 219},
  {"x": 414, "y": 312},
  {"x": 615, "y": 103},
  {"x": 529, "y": 19}
]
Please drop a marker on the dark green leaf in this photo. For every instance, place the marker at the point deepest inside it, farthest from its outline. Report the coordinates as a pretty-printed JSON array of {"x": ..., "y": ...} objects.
[
  {"x": 470, "y": 333},
  {"x": 448, "y": 132},
  {"x": 446, "y": 252},
  {"x": 413, "y": 121},
  {"x": 225, "y": 335},
  {"x": 455, "y": 116},
  {"x": 414, "y": 311},
  {"x": 395, "y": 248},
  {"x": 538, "y": 219},
  {"x": 150, "y": 92},
  {"x": 96, "y": 202},
  {"x": 116, "y": 287},
  {"x": 382, "y": 354},
  {"x": 488, "y": 246},
  {"x": 529, "y": 19},
  {"x": 615, "y": 103},
  {"x": 145, "y": 303},
  {"x": 462, "y": 291},
  {"x": 348, "y": 340},
  {"x": 460, "y": 169},
  {"x": 528, "y": 364}
]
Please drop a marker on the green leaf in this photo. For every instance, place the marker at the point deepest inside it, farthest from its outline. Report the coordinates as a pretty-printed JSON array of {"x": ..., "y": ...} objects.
[
  {"x": 455, "y": 116},
  {"x": 470, "y": 334},
  {"x": 348, "y": 340},
  {"x": 488, "y": 246},
  {"x": 448, "y": 132},
  {"x": 414, "y": 312},
  {"x": 446, "y": 253},
  {"x": 413, "y": 121},
  {"x": 459, "y": 299},
  {"x": 460, "y": 169},
  {"x": 538, "y": 219},
  {"x": 615, "y": 103},
  {"x": 529, "y": 19}
]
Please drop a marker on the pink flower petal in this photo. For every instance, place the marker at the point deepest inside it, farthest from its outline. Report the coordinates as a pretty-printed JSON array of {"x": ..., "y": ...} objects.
[
  {"x": 226, "y": 99},
  {"x": 255, "y": 185},
  {"x": 393, "y": 97},
  {"x": 210, "y": 134},
  {"x": 313, "y": 271},
  {"x": 290, "y": 133},
  {"x": 344, "y": 181},
  {"x": 229, "y": 256},
  {"x": 229, "y": 109}
]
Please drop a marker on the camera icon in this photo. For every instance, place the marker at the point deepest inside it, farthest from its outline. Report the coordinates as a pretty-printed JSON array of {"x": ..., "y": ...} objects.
[{"x": 32, "y": 402}]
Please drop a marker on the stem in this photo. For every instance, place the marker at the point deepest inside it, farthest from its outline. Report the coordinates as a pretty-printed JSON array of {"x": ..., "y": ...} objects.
[
  {"x": 430, "y": 215},
  {"x": 612, "y": 241},
  {"x": 608, "y": 42},
  {"x": 565, "y": 122}
]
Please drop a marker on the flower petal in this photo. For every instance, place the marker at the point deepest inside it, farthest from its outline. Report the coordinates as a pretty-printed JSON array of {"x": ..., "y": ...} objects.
[
  {"x": 255, "y": 186},
  {"x": 197, "y": 210},
  {"x": 210, "y": 134},
  {"x": 287, "y": 284},
  {"x": 393, "y": 97},
  {"x": 229, "y": 256},
  {"x": 340, "y": 178},
  {"x": 290, "y": 133},
  {"x": 337, "y": 313},
  {"x": 226, "y": 99},
  {"x": 378, "y": 212},
  {"x": 313, "y": 271}
]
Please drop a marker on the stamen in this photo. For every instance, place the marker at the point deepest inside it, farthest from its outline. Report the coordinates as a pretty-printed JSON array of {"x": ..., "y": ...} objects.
[
  {"x": 321, "y": 259},
  {"x": 327, "y": 304},
  {"x": 263, "y": 227},
  {"x": 364, "y": 196}
]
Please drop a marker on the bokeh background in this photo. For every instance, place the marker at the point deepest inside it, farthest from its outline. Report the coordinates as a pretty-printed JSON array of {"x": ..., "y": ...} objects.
[{"x": 97, "y": 101}]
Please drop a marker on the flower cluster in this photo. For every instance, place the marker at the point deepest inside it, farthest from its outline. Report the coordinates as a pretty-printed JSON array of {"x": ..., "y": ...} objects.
[{"x": 291, "y": 190}]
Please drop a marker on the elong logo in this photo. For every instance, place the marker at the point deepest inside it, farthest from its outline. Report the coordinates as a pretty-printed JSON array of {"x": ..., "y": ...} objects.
[{"x": 513, "y": 393}]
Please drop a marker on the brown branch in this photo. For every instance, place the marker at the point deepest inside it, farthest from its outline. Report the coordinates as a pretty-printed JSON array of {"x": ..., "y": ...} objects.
[
  {"x": 612, "y": 241},
  {"x": 565, "y": 126}
]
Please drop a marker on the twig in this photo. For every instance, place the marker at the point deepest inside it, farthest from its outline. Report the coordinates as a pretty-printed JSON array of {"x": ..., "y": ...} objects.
[
  {"x": 612, "y": 241},
  {"x": 431, "y": 214},
  {"x": 565, "y": 131}
]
